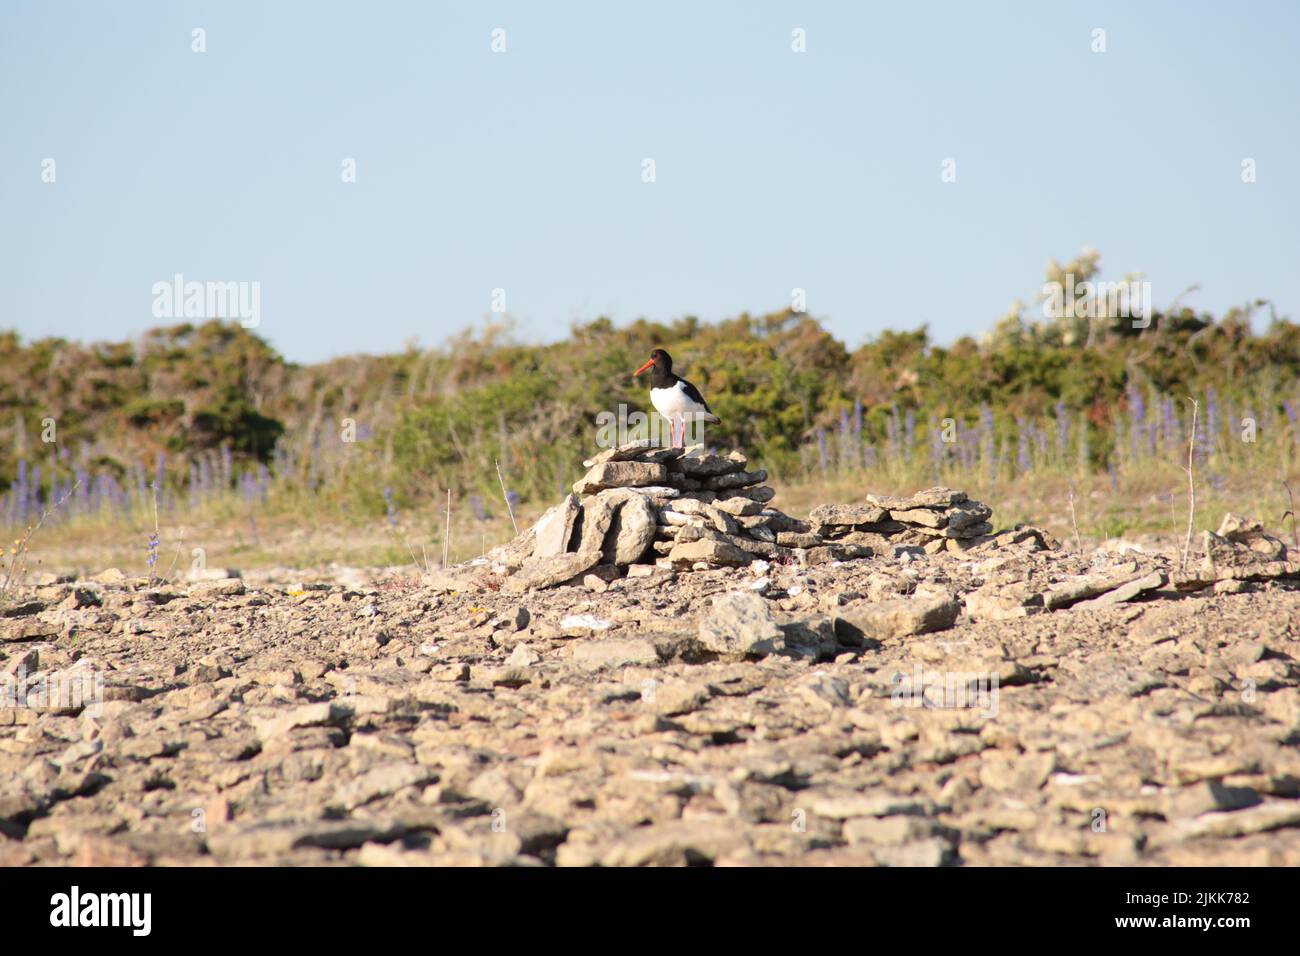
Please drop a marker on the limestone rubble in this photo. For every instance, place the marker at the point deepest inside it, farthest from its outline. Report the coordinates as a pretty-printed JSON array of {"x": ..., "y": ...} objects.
[
  {"x": 640, "y": 504},
  {"x": 1005, "y": 703}
]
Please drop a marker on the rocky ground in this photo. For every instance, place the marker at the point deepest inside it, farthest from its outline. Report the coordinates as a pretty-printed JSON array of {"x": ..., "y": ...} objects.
[{"x": 996, "y": 701}]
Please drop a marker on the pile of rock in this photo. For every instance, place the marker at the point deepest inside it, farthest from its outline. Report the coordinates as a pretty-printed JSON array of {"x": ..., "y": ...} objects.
[
  {"x": 640, "y": 506},
  {"x": 1239, "y": 553},
  {"x": 935, "y": 520}
]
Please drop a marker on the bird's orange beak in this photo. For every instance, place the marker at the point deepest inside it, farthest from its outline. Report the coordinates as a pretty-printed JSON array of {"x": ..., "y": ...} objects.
[{"x": 644, "y": 367}]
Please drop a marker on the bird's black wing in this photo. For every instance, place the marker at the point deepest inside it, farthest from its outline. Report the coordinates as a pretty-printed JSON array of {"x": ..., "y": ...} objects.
[{"x": 694, "y": 395}]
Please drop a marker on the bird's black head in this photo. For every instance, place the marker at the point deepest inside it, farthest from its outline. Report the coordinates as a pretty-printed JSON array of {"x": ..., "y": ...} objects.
[{"x": 661, "y": 360}]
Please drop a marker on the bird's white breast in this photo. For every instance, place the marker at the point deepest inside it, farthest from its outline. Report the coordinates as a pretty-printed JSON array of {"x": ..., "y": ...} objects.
[{"x": 671, "y": 402}]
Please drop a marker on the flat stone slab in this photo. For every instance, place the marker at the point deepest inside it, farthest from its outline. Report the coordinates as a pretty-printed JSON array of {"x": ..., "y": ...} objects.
[
  {"x": 613, "y": 652},
  {"x": 272, "y": 839},
  {"x": 28, "y": 629},
  {"x": 759, "y": 493},
  {"x": 742, "y": 479},
  {"x": 706, "y": 466},
  {"x": 936, "y": 497},
  {"x": 1065, "y": 593},
  {"x": 836, "y": 551},
  {"x": 897, "y": 618},
  {"x": 714, "y": 552},
  {"x": 621, "y": 474},
  {"x": 1262, "y": 571},
  {"x": 555, "y": 528},
  {"x": 871, "y": 805},
  {"x": 545, "y": 572},
  {"x": 1003, "y": 603},
  {"x": 847, "y": 515},
  {"x": 1125, "y": 592},
  {"x": 645, "y": 449},
  {"x": 658, "y": 494},
  {"x": 927, "y": 517},
  {"x": 968, "y": 513},
  {"x": 738, "y": 506}
]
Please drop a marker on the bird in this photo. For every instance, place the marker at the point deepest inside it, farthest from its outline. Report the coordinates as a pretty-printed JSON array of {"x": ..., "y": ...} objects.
[{"x": 673, "y": 397}]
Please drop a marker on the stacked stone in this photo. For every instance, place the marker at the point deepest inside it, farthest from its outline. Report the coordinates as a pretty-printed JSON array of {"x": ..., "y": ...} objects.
[
  {"x": 1241, "y": 551},
  {"x": 684, "y": 509},
  {"x": 640, "y": 506},
  {"x": 936, "y": 520}
]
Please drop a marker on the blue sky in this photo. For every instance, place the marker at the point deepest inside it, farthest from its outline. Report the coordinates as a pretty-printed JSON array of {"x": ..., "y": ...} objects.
[{"x": 523, "y": 170}]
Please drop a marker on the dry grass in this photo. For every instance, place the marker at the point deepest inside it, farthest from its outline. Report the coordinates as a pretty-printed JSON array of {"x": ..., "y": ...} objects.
[{"x": 1147, "y": 505}]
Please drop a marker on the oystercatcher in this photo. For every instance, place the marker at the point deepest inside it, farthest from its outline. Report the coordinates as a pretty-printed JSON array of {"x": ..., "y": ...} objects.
[{"x": 673, "y": 397}]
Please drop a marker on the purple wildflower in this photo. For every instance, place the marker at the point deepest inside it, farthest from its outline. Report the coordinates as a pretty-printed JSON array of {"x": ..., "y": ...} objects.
[
  {"x": 1022, "y": 446},
  {"x": 1062, "y": 430}
]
